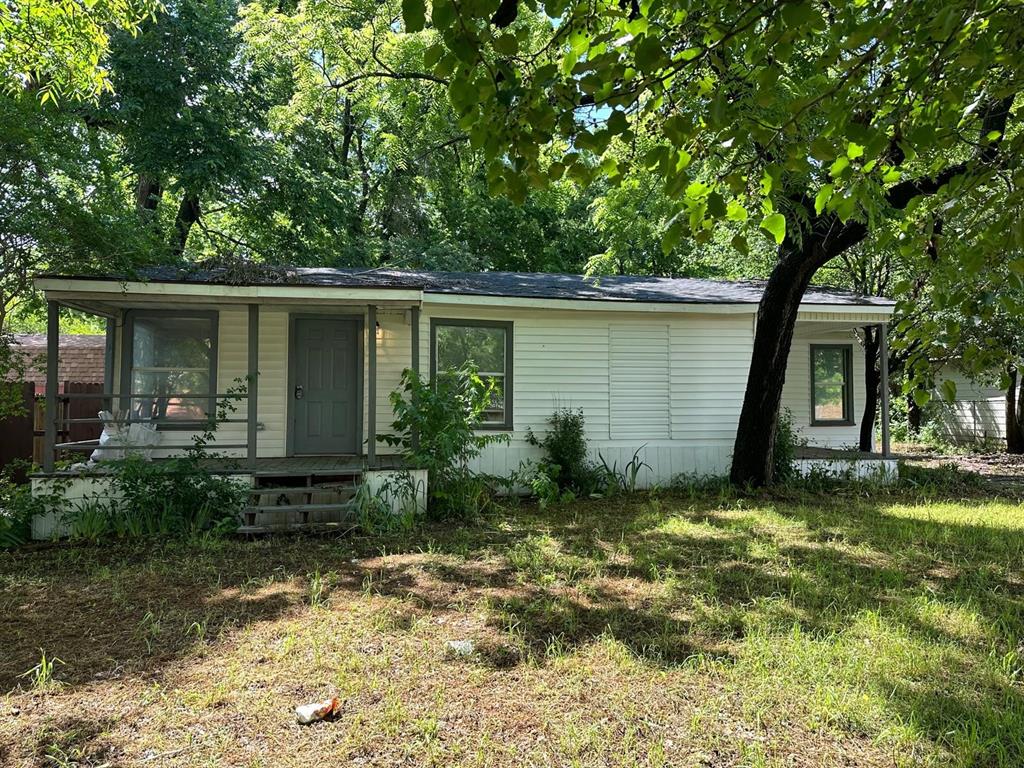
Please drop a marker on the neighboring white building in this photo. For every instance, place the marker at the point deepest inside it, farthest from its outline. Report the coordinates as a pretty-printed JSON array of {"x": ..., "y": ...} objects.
[
  {"x": 976, "y": 415},
  {"x": 656, "y": 363}
]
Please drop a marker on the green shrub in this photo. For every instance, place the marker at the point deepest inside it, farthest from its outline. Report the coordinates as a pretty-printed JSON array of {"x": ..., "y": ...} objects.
[
  {"x": 435, "y": 428},
  {"x": 565, "y": 459},
  {"x": 626, "y": 479},
  {"x": 17, "y": 508},
  {"x": 947, "y": 477},
  {"x": 176, "y": 497},
  {"x": 784, "y": 452},
  {"x": 391, "y": 508}
]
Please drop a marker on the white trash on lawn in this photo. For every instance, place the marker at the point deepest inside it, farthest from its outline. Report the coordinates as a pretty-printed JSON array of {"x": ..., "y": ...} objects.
[
  {"x": 318, "y": 710},
  {"x": 460, "y": 647}
]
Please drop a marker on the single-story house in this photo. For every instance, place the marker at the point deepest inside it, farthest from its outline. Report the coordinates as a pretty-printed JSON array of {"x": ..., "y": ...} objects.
[{"x": 654, "y": 363}]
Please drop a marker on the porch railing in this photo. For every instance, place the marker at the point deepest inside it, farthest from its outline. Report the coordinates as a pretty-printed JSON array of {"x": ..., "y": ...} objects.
[{"x": 58, "y": 423}]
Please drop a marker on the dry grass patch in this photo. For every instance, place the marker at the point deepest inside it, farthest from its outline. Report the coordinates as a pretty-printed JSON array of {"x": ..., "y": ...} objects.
[{"x": 646, "y": 632}]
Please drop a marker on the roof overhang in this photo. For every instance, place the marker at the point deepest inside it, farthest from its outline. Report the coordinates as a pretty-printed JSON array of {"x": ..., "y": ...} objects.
[
  {"x": 115, "y": 293},
  {"x": 107, "y": 296}
]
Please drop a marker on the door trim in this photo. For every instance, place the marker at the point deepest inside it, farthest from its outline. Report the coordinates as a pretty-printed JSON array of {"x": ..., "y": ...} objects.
[{"x": 360, "y": 322}]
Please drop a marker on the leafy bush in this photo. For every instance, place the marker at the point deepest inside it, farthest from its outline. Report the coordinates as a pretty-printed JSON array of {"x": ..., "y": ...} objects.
[
  {"x": 435, "y": 428},
  {"x": 947, "y": 477},
  {"x": 17, "y": 508},
  {"x": 784, "y": 452},
  {"x": 626, "y": 479},
  {"x": 176, "y": 497},
  {"x": 391, "y": 508},
  {"x": 565, "y": 459}
]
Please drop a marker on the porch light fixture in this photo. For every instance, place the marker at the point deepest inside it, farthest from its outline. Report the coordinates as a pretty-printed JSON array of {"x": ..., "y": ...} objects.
[{"x": 380, "y": 333}]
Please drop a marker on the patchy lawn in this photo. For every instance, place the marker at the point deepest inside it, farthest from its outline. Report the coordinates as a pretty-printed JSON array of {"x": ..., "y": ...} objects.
[{"x": 835, "y": 631}]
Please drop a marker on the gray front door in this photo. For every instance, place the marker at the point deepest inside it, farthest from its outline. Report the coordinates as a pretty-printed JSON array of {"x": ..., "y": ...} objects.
[{"x": 325, "y": 394}]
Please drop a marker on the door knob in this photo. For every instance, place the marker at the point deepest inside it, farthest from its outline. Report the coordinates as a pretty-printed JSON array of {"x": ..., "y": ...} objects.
[{"x": 298, "y": 391}]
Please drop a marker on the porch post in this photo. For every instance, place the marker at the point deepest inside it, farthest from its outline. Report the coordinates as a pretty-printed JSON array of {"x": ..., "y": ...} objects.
[
  {"x": 108, "y": 361},
  {"x": 415, "y": 331},
  {"x": 252, "y": 401},
  {"x": 371, "y": 375},
  {"x": 52, "y": 367},
  {"x": 883, "y": 364}
]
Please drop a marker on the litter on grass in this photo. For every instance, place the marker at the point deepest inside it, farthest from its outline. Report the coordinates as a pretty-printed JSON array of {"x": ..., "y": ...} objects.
[
  {"x": 318, "y": 710},
  {"x": 460, "y": 647}
]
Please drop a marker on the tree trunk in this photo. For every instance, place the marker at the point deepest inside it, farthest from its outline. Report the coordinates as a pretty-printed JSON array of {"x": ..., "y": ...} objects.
[
  {"x": 914, "y": 415},
  {"x": 188, "y": 214},
  {"x": 872, "y": 382},
  {"x": 147, "y": 195},
  {"x": 1014, "y": 427},
  {"x": 753, "y": 454}
]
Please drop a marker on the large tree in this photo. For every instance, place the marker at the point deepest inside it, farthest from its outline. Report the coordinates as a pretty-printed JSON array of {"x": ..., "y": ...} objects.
[{"x": 821, "y": 124}]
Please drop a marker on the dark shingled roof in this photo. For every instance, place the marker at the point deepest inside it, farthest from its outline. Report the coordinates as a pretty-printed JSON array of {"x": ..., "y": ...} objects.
[{"x": 529, "y": 285}]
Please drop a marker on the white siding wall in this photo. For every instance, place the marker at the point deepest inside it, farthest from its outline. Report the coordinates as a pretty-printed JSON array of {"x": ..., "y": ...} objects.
[
  {"x": 669, "y": 384},
  {"x": 796, "y": 394}
]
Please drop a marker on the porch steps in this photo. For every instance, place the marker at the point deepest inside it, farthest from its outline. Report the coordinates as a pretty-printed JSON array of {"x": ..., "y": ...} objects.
[{"x": 282, "y": 500}]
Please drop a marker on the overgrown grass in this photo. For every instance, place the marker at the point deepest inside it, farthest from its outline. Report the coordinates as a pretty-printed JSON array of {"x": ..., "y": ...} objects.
[{"x": 853, "y": 628}]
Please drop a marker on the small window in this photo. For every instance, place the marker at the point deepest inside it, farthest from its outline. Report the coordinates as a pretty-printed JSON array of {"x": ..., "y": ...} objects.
[
  {"x": 488, "y": 346},
  {"x": 831, "y": 385},
  {"x": 169, "y": 356}
]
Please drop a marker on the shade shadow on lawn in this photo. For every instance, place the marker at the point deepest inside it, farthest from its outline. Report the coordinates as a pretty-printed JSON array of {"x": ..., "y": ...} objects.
[{"x": 742, "y": 587}]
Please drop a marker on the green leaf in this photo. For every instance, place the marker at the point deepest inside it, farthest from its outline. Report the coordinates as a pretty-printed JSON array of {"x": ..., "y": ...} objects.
[
  {"x": 433, "y": 54},
  {"x": 1017, "y": 266},
  {"x": 442, "y": 14},
  {"x": 649, "y": 53},
  {"x": 617, "y": 122},
  {"x": 740, "y": 244},
  {"x": 948, "y": 390},
  {"x": 822, "y": 198},
  {"x": 716, "y": 205},
  {"x": 414, "y": 12},
  {"x": 775, "y": 224},
  {"x": 854, "y": 150},
  {"x": 922, "y": 397},
  {"x": 507, "y": 45},
  {"x": 841, "y": 164},
  {"x": 736, "y": 212}
]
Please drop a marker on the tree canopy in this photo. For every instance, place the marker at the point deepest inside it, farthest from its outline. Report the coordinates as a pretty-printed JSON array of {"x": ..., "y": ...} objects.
[
  {"x": 57, "y": 49},
  {"x": 817, "y": 125}
]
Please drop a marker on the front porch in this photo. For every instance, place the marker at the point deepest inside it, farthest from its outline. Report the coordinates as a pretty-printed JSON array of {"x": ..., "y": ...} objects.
[
  {"x": 177, "y": 364},
  {"x": 247, "y": 370}
]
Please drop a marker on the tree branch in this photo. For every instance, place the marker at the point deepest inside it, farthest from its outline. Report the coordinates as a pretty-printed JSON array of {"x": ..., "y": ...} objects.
[{"x": 392, "y": 76}]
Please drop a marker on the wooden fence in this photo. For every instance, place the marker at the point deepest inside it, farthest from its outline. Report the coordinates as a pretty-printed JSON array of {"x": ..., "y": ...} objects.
[{"x": 21, "y": 437}]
